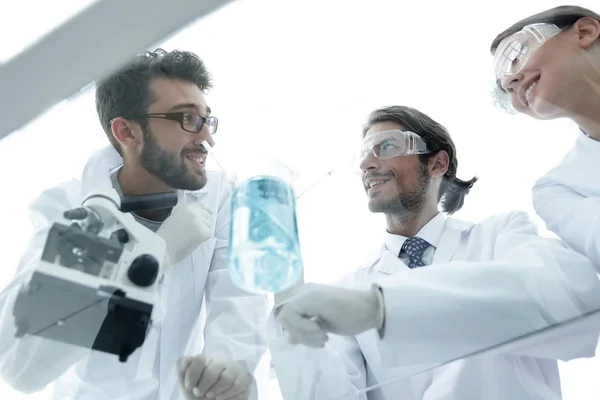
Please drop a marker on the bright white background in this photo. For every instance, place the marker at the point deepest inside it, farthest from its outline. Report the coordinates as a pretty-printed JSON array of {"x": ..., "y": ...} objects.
[{"x": 300, "y": 77}]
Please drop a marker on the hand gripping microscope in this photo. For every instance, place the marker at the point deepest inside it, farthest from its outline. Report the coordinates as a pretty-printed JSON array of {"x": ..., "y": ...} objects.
[{"x": 96, "y": 281}]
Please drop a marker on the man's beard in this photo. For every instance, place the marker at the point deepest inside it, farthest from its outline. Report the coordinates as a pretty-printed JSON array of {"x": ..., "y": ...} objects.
[
  {"x": 409, "y": 203},
  {"x": 169, "y": 168}
]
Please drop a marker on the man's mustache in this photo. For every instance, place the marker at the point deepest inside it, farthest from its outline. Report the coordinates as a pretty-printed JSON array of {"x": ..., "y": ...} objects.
[
  {"x": 201, "y": 151},
  {"x": 372, "y": 176}
]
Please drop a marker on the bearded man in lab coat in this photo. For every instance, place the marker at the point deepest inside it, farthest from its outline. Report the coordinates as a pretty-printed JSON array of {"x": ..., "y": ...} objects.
[
  {"x": 155, "y": 115},
  {"x": 439, "y": 290}
]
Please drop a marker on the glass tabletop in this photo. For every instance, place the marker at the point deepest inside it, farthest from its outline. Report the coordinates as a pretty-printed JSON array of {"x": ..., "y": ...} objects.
[{"x": 284, "y": 287}]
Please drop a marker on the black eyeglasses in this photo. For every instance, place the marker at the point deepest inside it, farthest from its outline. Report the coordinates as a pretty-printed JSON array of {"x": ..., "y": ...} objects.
[{"x": 189, "y": 122}]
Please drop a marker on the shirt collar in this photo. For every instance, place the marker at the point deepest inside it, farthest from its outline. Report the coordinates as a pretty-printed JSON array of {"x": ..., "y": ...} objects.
[{"x": 431, "y": 232}]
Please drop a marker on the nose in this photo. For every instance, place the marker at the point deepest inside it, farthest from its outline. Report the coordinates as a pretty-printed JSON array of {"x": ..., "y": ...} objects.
[
  {"x": 203, "y": 135},
  {"x": 369, "y": 163},
  {"x": 511, "y": 82}
]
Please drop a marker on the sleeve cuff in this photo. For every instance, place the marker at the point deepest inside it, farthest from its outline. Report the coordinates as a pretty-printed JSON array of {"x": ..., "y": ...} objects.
[{"x": 381, "y": 310}]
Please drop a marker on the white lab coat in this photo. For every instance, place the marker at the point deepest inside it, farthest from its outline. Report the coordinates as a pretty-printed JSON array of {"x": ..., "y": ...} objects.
[
  {"x": 568, "y": 199},
  {"x": 503, "y": 281},
  {"x": 230, "y": 322}
]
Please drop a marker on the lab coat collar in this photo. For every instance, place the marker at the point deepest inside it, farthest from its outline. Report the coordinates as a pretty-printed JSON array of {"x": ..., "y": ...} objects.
[
  {"x": 431, "y": 232},
  {"x": 585, "y": 135},
  {"x": 586, "y": 141},
  {"x": 96, "y": 174},
  {"x": 450, "y": 239},
  {"x": 441, "y": 232}
]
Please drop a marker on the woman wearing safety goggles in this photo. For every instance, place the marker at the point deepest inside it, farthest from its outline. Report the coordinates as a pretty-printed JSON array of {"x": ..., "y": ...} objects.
[{"x": 547, "y": 66}]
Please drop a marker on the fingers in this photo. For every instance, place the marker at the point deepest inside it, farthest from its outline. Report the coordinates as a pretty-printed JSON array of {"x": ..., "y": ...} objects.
[
  {"x": 203, "y": 208},
  {"x": 286, "y": 295},
  {"x": 210, "y": 376},
  {"x": 194, "y": 371},
  {"x": 240, "y": 396},
  {"x": 182, "y": 366},
  {"x": 243, "y": 396},
  {"x": 205, "y": 217},
  {"x": 302, "y": 330},
  {"x": 293, "y": 322},
  {"x": 203, "y": 378},
  {"x": 239, "y": 387},
  {"x": 225, "y": 386},
  {"x": 203, "y": 214}
]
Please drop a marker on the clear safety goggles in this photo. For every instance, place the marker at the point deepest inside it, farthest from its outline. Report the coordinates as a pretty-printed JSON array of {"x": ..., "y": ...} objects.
[
  {"x": 389, "y": 144},
  {"x": 512, "y": 56}
]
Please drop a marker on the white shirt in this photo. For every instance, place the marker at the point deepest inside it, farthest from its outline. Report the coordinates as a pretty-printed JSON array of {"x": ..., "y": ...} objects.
[{"x": 431, "y": 232}]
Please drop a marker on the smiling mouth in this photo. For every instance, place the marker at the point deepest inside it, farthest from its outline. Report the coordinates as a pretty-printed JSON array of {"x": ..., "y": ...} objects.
[
  {"x": 197, "y": 159},
  {"x": 373, "y": 184},
  {"x": 527, "y": 94}
]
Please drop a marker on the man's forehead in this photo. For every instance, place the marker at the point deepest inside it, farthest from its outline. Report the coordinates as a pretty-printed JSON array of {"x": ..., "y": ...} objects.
[
  {"x": 383, "y": 126},
  {"x": 379, "y": 137},
  {"x": 180, "y": 95}
]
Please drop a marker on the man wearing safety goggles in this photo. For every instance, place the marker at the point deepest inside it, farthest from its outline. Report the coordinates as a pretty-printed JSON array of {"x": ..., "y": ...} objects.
[
  {"x": 440, "y": 290},
  {"x": 548, "y": 67}
]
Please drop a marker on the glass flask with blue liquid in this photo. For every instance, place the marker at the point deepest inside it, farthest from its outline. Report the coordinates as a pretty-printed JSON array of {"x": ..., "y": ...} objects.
[{"x": 264, "y": 253}]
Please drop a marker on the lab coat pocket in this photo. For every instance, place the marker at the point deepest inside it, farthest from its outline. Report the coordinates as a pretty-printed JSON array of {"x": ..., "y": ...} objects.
[{"x": 201, "y": 260}]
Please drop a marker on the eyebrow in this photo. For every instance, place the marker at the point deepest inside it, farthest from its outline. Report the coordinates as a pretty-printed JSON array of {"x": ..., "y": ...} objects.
[{"x": 194, "y": 106}]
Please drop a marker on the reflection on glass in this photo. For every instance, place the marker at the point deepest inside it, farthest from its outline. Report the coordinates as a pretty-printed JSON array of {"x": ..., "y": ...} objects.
[{"x": 290, "y": 92}]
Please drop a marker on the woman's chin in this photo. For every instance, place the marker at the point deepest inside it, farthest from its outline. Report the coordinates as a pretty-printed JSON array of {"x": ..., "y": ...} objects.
[{"x": 543, "y": 109}]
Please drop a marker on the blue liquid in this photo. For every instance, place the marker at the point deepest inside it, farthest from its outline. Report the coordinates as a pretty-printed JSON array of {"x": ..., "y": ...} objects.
[{"x": 264, "y": 253}]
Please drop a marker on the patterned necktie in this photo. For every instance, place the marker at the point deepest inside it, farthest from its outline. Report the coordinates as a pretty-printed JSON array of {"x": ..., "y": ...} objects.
[{"x": 414, "y": 248}]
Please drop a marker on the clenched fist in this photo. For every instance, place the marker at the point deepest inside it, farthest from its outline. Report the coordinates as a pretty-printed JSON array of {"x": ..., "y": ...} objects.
[
  {"x": 188, "y": 226},
  {"x": 317, "y": 310},
  {"x": 205, "y": 377}
]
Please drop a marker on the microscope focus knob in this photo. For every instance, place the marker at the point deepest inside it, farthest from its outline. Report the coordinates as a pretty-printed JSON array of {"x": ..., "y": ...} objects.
[
  {"x": 143, "y": 271},
  {"x": 121, "y": 235}
]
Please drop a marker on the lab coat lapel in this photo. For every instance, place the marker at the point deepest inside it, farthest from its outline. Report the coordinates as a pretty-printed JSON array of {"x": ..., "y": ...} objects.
[
  {"x": 450, "y": 240},
  {"x": 389, "y": 263},
  {"x": 175, "y": 288},
  {"x": 182, "y": 285}
]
